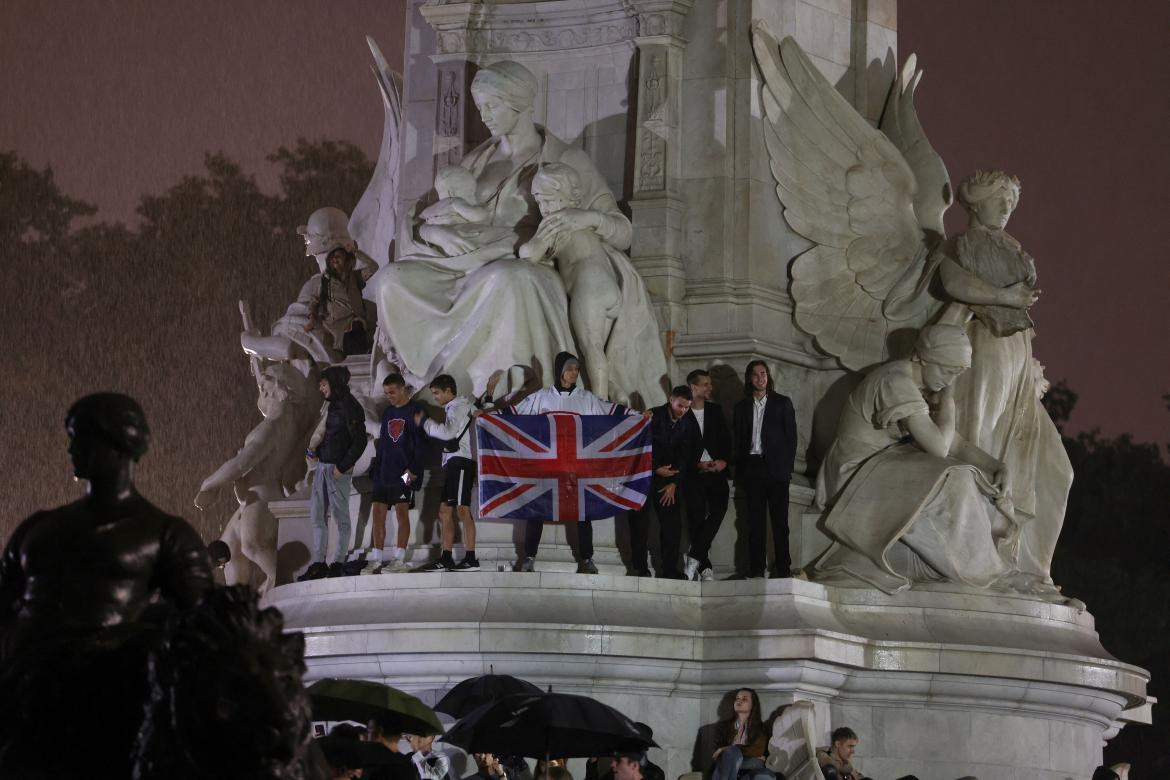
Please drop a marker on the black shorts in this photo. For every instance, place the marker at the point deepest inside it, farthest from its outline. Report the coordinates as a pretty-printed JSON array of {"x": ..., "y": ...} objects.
[
  {"x": 392, "y": 494},
  {"x": 458, "y": 479}
]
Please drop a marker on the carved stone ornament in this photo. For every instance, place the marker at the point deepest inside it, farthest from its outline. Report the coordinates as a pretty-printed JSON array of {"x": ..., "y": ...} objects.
[{"x": 512, "y": 28}]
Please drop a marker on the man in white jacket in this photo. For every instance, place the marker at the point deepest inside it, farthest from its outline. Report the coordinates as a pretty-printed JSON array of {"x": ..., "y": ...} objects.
[
  {"x": 564, "y": 396},
  {"x": 458, "y": 473}
]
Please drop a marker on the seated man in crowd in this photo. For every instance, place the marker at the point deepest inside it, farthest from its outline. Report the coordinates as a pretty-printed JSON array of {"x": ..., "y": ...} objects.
[{"x": 835, "y": 760}]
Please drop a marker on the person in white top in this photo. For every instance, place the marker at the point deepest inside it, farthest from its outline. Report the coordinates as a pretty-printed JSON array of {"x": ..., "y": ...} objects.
[
  {"x": 458, "y": 473},
  {"x": 706, "y": 494},
  {"x": 765, "y": 453},
  {"x": 564, "y": 396}
]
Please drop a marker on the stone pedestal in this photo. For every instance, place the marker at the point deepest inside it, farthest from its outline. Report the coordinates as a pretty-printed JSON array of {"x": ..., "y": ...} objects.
[{"x": 940, "y": 683}]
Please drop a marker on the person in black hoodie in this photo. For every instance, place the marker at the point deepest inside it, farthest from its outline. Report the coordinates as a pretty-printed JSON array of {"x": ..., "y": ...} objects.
[
  {"x": 677, "y": 446},
  {"x": 334, "y": 458},
  {"x": 706, "y": 494}
]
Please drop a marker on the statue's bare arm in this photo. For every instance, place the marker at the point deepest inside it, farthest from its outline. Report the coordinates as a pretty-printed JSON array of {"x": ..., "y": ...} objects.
[{"x": 966, "y": 287}]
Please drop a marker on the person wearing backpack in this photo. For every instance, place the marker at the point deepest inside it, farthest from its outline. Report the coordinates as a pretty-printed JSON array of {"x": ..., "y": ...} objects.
[{"x": 458, "y": 473}]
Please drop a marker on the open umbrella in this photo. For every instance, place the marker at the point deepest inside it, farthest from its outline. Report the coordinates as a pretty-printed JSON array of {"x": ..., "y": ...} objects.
[
  {"x": 340, "y": 699},
  {"x": 547, "y": 724},
  {"x": 474, "y": 692}
]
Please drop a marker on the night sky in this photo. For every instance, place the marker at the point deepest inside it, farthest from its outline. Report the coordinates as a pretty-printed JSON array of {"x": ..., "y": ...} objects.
[{"x": 1073, "y": 96}]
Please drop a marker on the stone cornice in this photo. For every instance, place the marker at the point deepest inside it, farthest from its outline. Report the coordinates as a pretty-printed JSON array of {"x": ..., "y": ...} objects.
[{"x": 508, "y": 28}]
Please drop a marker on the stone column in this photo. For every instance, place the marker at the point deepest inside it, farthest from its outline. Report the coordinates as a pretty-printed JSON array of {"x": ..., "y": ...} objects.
[{"x": 655, "y": 201}]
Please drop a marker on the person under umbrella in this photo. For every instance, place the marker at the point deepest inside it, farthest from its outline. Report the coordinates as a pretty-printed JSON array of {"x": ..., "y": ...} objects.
[
  {"x": 339, "y": 699},
  {"x": 545, "y": 725}
]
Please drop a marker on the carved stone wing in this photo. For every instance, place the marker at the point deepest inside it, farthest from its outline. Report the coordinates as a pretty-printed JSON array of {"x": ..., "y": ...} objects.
[
  {"x": 848, "y": 190},
  {"x": 900, "y": 124},
  {"x": 374, "y": 220}
]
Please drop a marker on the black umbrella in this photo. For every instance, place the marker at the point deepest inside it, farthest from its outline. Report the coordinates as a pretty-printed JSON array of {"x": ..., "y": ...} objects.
[
  {"x": 548, "y": 724},
  {"x": 475, "y": 692}
]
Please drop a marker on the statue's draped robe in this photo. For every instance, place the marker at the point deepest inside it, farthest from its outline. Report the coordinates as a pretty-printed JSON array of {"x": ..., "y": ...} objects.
[
  {"x": 898, "y": 514},
  {"x": 486, "y": 310},
  {"x": 996, "y": 401}
]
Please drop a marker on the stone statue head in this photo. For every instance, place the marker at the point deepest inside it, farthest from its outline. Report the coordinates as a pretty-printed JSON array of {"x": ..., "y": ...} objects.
[
  {"x": 944, "y": 352},
  {"x": 503, "y": 91},
  {"x": 455, "y": 181},
  {"x": 105, "y": 430},
  {"x": 990, "y": 197},
  {"x": 279, "y": 384},
  {"x": 556, "y": 187},
  {"x": 326, "y": 229}
]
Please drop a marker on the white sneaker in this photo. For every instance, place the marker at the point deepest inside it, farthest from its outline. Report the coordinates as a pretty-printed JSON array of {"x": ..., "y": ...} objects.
[
  {"x": 691, "y": 567},
  {"x": 707, "y": 575}
]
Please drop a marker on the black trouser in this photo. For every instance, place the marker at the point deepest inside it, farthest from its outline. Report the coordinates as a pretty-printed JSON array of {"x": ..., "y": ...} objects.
[
  {"x": 535, "y": 528},
  {"x": 669, "y": 530},
  {"x": 706, "y": 494},
  {"x": 766, "y": 497}
]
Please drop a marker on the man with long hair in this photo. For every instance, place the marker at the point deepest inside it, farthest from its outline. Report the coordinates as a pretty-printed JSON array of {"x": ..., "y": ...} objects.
[{"x": 765, "y": 448}]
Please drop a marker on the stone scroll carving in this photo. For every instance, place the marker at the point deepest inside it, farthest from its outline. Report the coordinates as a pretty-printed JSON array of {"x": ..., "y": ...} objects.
[{"x": 881, "y": 267}]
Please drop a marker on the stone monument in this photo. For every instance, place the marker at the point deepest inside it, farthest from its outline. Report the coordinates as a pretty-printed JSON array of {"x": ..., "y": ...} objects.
[{"x": 763, "y": 164}]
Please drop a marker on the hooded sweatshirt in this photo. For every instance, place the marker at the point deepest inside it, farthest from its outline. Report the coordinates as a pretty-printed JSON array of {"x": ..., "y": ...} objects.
[
  {"x": 345, "y": 432},
  {"x": 573, "y": 398}
]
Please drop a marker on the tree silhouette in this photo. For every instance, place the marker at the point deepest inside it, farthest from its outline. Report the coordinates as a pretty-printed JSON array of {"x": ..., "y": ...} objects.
[{"x": 151, "y": 312}]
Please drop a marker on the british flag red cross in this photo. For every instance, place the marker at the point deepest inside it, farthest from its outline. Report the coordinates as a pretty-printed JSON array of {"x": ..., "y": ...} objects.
[{"x": 561, "y": 466}]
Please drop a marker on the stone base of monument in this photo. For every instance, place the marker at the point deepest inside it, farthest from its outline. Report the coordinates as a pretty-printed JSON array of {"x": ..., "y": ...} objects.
[
  {"x": 941, "y": 683},
  {"x": 498, "y": 542}
]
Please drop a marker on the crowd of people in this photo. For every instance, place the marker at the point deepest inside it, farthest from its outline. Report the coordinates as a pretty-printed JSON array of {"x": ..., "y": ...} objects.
[
  {"x": 742, "y": 747},
  {"x": 696, "y": 451}
]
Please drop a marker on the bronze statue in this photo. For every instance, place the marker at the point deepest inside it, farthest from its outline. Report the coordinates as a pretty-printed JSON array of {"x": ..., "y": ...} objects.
[{"x": 84, "y": 590}]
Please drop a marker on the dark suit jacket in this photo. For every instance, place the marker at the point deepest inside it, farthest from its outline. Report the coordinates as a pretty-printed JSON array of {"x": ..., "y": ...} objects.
[
  {"x": 716, "y": 435},
  {"x": 777, "y": 435},
  {"x": 675, "y": 443}
]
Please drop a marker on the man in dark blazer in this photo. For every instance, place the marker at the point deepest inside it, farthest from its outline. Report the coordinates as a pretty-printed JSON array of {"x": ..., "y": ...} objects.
[
  {"x": 676, "y": 455},
  {"x": 706, "y": 493},
  {"x": 765, "y": 451}
]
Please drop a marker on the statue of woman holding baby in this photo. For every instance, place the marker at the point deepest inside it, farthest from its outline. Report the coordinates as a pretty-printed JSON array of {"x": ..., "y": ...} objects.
[{"x": 459, "y": 301}]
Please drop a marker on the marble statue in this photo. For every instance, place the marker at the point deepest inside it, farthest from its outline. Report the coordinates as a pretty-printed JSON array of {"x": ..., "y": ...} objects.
[
  {"x": 374, "y": 222},
  {"x": 949, "y": 518},
  {"x": 268, "y": 467},
  {"x": 609, "y": 307},
  {"x": 308, "y": 328},
  {"x": 872, "y": 202},
  {"x": 466, "y": 305}
]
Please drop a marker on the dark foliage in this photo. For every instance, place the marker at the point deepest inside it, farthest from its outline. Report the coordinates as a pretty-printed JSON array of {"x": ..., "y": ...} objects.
[
  {"x": 152, "y": 312},
  {"x": 1112, "y": 555}
]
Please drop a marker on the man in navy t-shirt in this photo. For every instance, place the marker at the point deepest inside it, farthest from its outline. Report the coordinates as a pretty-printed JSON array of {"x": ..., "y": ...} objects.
[{"x": 396, "y": 471}]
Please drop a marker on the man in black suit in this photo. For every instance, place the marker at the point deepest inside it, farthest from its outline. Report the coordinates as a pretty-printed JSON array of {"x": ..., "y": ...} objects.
[
  {"x": 765, "y": 451},
  {"x": 706, "y": 492},
  {"x": 676, "y": 453}
]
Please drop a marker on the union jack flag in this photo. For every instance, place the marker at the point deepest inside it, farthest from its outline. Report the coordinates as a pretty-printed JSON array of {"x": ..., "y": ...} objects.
[{"x": 562, "y": 466}]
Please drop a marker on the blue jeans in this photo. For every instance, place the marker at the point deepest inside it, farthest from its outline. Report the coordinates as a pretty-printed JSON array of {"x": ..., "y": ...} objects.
[
  {"x": 732, "y": 765},
  {"x": 332, "y": 493}
]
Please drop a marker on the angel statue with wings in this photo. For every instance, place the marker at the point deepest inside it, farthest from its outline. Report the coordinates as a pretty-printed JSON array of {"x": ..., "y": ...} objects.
[{"x": 871, "y": 201}]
